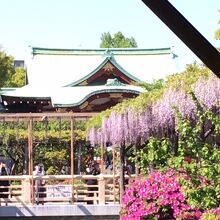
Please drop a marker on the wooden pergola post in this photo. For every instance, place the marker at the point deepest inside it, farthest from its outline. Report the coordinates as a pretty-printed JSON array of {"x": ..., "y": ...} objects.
[
  {"x": 113, "y": 170},
  {"x": 72, "y": 155},
  {"x": 30, "y": 156},
  {"x": 122, "y": 172}
]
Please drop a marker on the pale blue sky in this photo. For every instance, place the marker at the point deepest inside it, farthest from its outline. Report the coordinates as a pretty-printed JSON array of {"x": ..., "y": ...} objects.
[{"x": 80, "y": 23}]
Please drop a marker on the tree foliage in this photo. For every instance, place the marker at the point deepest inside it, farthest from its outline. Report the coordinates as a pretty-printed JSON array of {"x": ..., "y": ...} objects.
[
  {"x": 188, "y": 77},
  {"x": 9, "y": 76},
  {"x": 6, "y": 69},
  {"x": 156, "y": 84},
  {"x": 217, "y": 34},
  {"x": 117, "y": 41},
  {"x": 18, "y": 78}
]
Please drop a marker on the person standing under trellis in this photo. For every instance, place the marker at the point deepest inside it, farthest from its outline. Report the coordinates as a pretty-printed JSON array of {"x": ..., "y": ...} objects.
[
  {"x": 4, "y": 184},
  {"x": 39, "y": 183},
  {"x": 93, "y": 170}
]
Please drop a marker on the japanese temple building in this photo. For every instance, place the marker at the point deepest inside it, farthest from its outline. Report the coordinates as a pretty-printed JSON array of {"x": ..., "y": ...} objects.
[{"x": 86, "y": 80}]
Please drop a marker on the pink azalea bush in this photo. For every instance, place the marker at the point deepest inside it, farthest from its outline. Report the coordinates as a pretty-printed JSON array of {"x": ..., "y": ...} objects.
[
  {"x": 213, "y": 214},
  {"x": 159, "y": 196}
]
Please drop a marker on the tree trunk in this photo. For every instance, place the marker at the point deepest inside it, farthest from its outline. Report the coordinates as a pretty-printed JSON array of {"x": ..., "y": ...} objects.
[
  {"x": 137, "y": 148},
  {"x": 26, "y": 159},
  {"x": 122, "y": 176}
]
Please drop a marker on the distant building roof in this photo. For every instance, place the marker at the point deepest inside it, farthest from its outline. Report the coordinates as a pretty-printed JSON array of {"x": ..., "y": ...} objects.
[
  {"x": 64, "y": 67},
  {"x": 70, "y": 96},
  {"x": 87, "y": 79}
]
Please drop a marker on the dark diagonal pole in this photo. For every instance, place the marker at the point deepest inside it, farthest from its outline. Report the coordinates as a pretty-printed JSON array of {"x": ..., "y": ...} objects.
[{"x": 193, "y": 39}]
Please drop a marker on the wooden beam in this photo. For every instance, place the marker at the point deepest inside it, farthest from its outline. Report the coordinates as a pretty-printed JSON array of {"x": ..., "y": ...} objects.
[
  {"x": 49, "y": 115},
  {"x": 208, "y": 54}
]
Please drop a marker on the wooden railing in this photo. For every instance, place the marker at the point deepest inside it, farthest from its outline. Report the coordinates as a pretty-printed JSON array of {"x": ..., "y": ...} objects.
[{"x": 60, "y": 188}]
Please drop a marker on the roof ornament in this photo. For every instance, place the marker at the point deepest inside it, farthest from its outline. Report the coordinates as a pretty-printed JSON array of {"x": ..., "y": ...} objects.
[
  {"x": 114, "y": 82},
  {"x": 108, "y": 53}
]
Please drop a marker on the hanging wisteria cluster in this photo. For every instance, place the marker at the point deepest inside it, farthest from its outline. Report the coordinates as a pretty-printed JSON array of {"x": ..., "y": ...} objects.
[{"x": 158, "y": 118}]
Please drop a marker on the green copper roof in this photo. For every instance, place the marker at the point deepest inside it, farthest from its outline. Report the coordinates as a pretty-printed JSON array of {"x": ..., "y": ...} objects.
[
  {"x": 70, "y": 96},
  {"x": 87, "y": 94},
  {"x": 6, "y": 89},
  {"x": 101, "y": 51},
  {"x": 71, "y": 67}
]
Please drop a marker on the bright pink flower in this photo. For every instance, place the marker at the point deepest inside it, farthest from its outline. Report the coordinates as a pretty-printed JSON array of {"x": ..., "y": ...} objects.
[{"x": 158, "y": 195}]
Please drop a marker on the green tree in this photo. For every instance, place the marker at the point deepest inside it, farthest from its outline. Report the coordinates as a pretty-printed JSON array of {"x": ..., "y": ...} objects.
[
  {"x": 156, "y": 84},
  {"x": 6, "y": 68},
  {"x": 117, "y": 41},
  {"x": 18, "y": 78}
]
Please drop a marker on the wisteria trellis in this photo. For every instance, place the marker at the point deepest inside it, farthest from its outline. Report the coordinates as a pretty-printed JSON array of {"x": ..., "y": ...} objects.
[{"x": 154, "y": 120}]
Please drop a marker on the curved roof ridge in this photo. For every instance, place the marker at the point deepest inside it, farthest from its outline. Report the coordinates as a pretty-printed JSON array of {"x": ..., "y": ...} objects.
[
  {"x": 109, "y": 57},
  {"x": 102, "y": 89},
  {"x": 90, "y": 74},
  {"x": 116, "y": 51}
]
